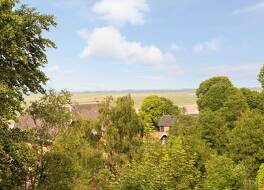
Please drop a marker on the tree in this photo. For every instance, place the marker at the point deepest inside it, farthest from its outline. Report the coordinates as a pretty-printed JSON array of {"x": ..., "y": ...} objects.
[
  {"x": 171, "y": 166},
  {"x": 260, "y": 177},
  {"x": 213, "y": 129},
  {"x": 254, "y": 99},
  {"x": 213, "y": 92},
  {"x": 22, "y": 53},
  {"x": 261, "y": 76},
  {"x": 17, "y": 159},
  {"x": 52, "y": 111},
  {"x": 8, "y": 106},
  {"x": 59, "y": 172},
  {"x": 246, "y": 141},
  {"x": 76, "y": 159},
  {"x": 233, "y": 107},
  {"x": 51, "y": 116},
  {"x": 123, "y": 130},
  {"x": 153, "y": 108},
  {"x": 221, "y": 173}
]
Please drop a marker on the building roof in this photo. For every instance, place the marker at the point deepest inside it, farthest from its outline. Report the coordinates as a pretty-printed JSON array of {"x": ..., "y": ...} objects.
[
  {"x": 191, "y": 110},
  {"x": 25, "y": 121},
  {"x": 166, "y": 121},
  {"x": 86, "y": 111}
]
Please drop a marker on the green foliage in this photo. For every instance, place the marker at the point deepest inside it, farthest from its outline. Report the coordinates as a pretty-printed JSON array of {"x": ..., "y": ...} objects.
[
  {"x": 213, "y": 92},
  {"x": 153, "y": 108},
  {"x": 185, "y": 125},
  {"x": 18, "y": 159},
  {"x": 52, "y": 110},
  {"x": 221, "y": 174},
  {"x": 9, "y": 103},
  {"x": 76, "y": 160},
  {"x": 261, "y": 77},
  {"x": 59, "y": 172},
  {"x": 247, "y": 140},
  {"x": 162, "y": 167},
  {"x": 222, "y": 149},
  {"x": 213, "y": 129},
  {"x": 22, "y": 54},
  {"x": 260, "y": 177},
  {"x": 254, "y": 99},
  {"x": 123, "y": 130},
  {"x": 233, "y": 107}
]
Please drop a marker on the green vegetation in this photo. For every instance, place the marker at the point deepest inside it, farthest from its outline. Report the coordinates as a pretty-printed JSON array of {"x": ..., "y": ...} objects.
[
  {"x": 221, "y": 148},
  {"x": 152, "y": 110},
  {"x": 179, "y": 98},
  {"x": 22, "y": 51}
]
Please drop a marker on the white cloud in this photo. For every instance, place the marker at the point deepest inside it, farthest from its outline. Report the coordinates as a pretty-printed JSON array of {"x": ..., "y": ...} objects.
[
  {"x": 252, "y": 8},
  {"x": 107, "y": 42},
  {"x": 122, "y": 11},
  {"x": 210, "y": 46},
  {"x": 175, "y": 47},
  {"x": 149, "y": 77},
  {"x": 241, "y": 70}
]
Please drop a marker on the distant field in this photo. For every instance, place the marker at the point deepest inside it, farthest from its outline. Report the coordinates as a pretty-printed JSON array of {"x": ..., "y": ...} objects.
[{"x": 178, "y": 97}]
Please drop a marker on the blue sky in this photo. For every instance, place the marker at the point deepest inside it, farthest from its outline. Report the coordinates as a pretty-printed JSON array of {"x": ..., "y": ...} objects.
[{"x": 153, "y": 44}]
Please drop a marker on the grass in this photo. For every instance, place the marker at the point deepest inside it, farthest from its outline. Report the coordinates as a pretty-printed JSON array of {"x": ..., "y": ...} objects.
[{"x": 179, "y": 98}]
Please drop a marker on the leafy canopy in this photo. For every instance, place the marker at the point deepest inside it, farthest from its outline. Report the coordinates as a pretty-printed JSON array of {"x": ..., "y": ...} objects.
[
  {"x": 22, "y": 53},
  {"x": 153, "y": 108}
]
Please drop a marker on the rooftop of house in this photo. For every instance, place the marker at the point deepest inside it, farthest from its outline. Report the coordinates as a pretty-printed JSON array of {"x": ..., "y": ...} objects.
[
  {"x": 85, "y": 111},
  {"x": 166, "y": 121},
  {"x": 191, "y": 109}
]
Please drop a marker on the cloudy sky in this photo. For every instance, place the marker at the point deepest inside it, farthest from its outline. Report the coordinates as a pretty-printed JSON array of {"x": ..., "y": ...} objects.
[{"x": 153, "y": 44}]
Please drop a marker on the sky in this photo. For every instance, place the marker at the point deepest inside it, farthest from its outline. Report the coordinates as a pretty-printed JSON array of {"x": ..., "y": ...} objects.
[{"x": 153, "y": 44}]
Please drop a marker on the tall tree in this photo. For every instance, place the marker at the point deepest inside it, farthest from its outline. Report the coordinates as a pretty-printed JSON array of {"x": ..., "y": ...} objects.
[
  {"x": 213, "y": 92},
  {"x": 246, "y": 142},
  {"x": 51, "y": 116},
  {"x": 153, "y": 108},
  {"x": 170, "y": 166},
  {"x": 222, "y": 173},
  {"x": 22, "y": 52},
  {"x": 123, "y": 130}
]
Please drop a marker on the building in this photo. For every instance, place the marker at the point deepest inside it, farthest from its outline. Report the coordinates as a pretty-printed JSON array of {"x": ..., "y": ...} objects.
[
  {"x": 191, "y": 110},
  {"x": 84, "y": 111},
  {"x": 166, "y": 122}
]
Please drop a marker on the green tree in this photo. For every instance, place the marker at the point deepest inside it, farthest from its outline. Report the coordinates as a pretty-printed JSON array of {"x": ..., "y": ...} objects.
[
  {"x": 213, "y": 92},
  {"x": 153, "y": 108},
  {"x": 52, "y": 111},
  {"x": 254, "y": 99},
  {"x": 76, "y": 159},
  {"x": 221, "y": 173},
  {"x": 59, "y": 172},
  {"x": 213, "y": 129},
  {"x": 233, "y": 107},
  {"x": 51, "y": 116},
  {"x": 260, "y": 177},
  {"x": 162, "y": 167},
  {"x": 9, "y": 106},
  {"x": 246, "y": 141},
  {"x": 22, "y": 53},
  {"x": 261, "y": 76},
  {"x": 18, "y": 160},
  {"x": 122, "y": 130}
]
